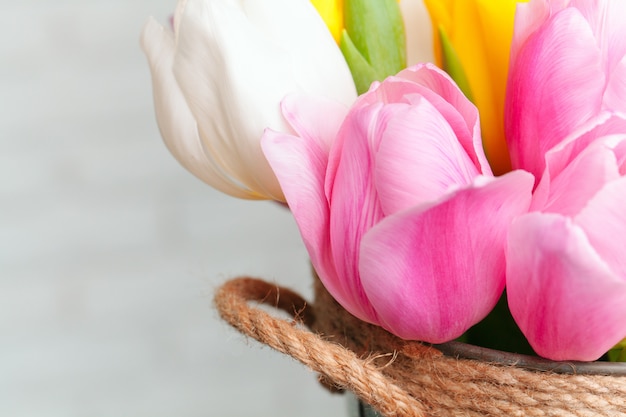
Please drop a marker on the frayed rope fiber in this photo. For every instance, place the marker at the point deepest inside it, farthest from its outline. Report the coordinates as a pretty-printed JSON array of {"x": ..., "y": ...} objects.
[{"x": 403, "y": 378}]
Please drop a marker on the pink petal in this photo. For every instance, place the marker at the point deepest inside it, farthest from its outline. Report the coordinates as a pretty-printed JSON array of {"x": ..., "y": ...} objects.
[
  {"x": 604, "y": 223},
  {"x": 561, "y": 157},
  {"x": 314, "y": 118},
  {"x": 419, "y": 157},
  {"x": 606, "y": 18},
  {"x": 620, "y": 154},
  {"x": 616, "y": 87},
  {"x": 439, "y": 89},
  {"x": 300, "y": 165},
  {"x": 555, "y": 84},
  {"x": 570, "y": 190},
  {"x": 565, "y": 299},
  {"x": 431, "y": 272},
  {"x": 357, "y": 123},
  {"x": 602, "y": 125},
  {"x": 355, "y": 207},
  {"x": 529, "y": 16}
]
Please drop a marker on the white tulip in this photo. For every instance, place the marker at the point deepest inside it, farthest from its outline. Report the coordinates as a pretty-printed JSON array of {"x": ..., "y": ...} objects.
[
  {"x": 219, "y": 76},
  {"x": 419, "y": 32}
]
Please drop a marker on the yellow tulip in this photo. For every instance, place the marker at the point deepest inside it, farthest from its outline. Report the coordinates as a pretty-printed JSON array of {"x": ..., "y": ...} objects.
[
  {"x": 480, "y": 32},
  {"x": 332, "y": 13}
]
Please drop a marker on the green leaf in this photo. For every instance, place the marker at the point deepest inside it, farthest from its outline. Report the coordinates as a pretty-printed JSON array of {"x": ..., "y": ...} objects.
[
  {"x": 362, "y": 72},
  {"x": 452, "y": 64},
  {"x": 499, "y": 331},
  {"x": 618, "y": 352},
  {"x": 374, "y": 30}
]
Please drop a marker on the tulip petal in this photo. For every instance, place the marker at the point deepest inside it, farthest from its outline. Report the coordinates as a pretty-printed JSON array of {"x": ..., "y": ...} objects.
[
  {"x": 477, "y": 32},
  {"x": 332, "y": 13},
  {"x": 314, "y": 118},
  {"x": 217, "y": 47},
  {"x": 565, "y": 299},
  {"x": 496, "y": 23},
  {"x": 468, "y": 42},
  {"x": 616, "y": 88},
  {"x": 606, "y": 127},
  {"x": 178, "y": 13},
  {"x": 431, "y": 272},
  {"x": 418, "y": 32},
  {"x": 439, "y": 12},
  {"x": 590, "y": 171},
  {"x": 561, "y": 155},
  {"x": 235, "y": 62},
  {"x": 316, "y": 64},
  {"x": 605, "y": 225},
  {"x": 529, "y": 16},
  {"x": 461, "y": 114},
  {"x": 606, "y": 19},
  {"x": 300, "y": 164},
  {"x": 419, "y": 157},
  {"x": 555, "y": 84},
  {"x": 353, "y": 200},
  {"x": 176, "y": 123}
]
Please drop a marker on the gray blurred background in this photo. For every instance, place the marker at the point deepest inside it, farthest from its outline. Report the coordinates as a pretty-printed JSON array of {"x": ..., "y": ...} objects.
[{"x": 110, "y": 251}]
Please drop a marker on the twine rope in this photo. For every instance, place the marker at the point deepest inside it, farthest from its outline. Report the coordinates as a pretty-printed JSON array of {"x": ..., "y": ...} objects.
[
  {"x": 334, "y": 362},
  {"x": 418, "y": 380}
]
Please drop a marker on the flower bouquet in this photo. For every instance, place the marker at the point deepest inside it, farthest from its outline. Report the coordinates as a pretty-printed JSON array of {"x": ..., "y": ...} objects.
[{"x": 464, "y": 218}]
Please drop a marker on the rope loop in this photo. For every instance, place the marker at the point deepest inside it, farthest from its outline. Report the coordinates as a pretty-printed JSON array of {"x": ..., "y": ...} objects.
[{"x": 404, "y": 378}]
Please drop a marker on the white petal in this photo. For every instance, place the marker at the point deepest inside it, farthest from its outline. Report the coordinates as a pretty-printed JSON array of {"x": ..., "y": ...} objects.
[
  {"x": 221, "y": 66},
  {"x": 236, "y": 61},
  {"x": 419, "y": 34},
  {"x": 316, "y": 64},
  {"x": 176, "y": 123}
]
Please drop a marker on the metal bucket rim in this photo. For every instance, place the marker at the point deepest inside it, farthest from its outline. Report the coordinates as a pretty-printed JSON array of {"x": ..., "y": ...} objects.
[{"x": 534, "y": 363}]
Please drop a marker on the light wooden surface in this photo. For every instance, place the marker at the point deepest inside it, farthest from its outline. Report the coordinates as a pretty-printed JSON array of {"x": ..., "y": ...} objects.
[{"x": 109, "y": 250}]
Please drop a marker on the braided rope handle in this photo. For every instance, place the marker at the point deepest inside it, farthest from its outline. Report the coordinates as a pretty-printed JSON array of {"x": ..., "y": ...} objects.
[{"x": 332, "y": 361}]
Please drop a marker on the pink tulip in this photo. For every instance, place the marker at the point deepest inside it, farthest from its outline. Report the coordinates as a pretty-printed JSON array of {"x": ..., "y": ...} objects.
[
  {"x": 402, "y": 218},
  {"x": 566, "y": 264},
  {"x": 567, "y": 65}
]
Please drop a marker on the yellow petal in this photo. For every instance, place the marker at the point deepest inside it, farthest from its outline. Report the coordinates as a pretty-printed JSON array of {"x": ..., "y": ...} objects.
[
  {"x": 496, "y": 19},
  {"x": 332, "y": 13},
  {"x": 440, "y": 17},
  {"x": 480, "y": 32}
]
